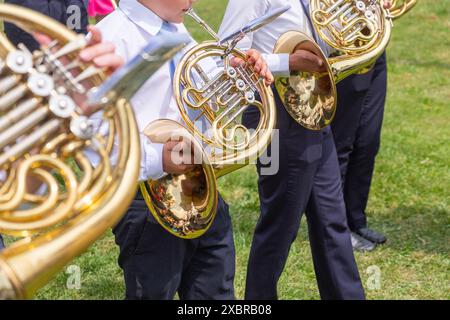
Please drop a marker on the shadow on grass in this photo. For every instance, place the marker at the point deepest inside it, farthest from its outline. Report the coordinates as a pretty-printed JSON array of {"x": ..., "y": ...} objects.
[{"x": 415, "y": 229}]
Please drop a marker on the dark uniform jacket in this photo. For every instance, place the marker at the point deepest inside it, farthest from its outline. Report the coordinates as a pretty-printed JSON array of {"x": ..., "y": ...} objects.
[{"x": 57, "y": 9}]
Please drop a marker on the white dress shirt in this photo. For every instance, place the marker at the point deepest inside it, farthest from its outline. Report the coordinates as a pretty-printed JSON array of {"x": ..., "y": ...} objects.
[
  {"x": 130, "y": 28},
  {"x": 240, "y": 12}
]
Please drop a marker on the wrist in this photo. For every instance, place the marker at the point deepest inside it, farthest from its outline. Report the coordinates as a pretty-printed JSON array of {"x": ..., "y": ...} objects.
[{"x": 293, "y": 65}]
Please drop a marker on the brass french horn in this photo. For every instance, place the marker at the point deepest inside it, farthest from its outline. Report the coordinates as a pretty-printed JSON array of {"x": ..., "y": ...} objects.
[
  {"x": 401, "y": 7},
  {"x": 45, "y": 136},
  {"x": 359, "y": 31},
  {"x": 185, "y": 205}
]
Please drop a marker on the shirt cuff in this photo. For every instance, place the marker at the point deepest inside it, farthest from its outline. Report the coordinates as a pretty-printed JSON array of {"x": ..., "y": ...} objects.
[
  {"x": 278, "y": 64},
  {"x": 151, "y": 163}
]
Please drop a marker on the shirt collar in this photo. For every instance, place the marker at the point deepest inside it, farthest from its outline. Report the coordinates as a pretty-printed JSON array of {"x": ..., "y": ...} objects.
[{"x": 142, "y": 16}]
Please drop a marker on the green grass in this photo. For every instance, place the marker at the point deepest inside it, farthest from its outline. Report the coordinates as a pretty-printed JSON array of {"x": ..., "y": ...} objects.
[{"x": 409, "y": 200}]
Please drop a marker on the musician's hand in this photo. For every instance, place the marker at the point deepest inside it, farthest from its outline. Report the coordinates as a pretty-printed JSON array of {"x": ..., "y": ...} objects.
[
  {"x": 177, "y": 157},
  {"x": 260, "y": 66},
  {"x": 387, "y": 4},
  {"x": 101, "y": 54},
  {"x": 306, "y": 61}
]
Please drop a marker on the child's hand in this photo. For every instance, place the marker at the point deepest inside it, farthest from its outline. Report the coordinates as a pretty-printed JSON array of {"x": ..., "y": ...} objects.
[
  {"x": 306, "y": 61},
  {"x": 260, "y": 66},
  {"x": 176, "y": 157},
  {"x": 101, "y": 54}
]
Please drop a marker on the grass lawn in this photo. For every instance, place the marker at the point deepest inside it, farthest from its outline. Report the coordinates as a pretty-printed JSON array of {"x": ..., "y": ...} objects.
[{"x": 409, "y": 200}]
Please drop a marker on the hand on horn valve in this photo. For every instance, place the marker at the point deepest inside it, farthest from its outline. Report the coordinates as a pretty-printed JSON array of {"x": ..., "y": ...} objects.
[
  {"x": 260, "y": 66},
  {"x": 97, "y": 52},
  {"x": 100, "y": 53}
]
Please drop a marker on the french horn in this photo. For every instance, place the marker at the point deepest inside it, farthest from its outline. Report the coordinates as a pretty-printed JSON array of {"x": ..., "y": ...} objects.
[
  {"x": 46, "y": 137},
  {"x": 401, "y": 7},
  {"x": 186, "y": 205},
  {"x": 358, "y": 31}
]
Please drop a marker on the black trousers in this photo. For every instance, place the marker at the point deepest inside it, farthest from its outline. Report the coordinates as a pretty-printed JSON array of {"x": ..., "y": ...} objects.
[
  {"x": 308, "y": 180},
  {"x": 2, "y": 245},
  {"x": 157, "y": 264},
  {"x": 357, "y": 131}
]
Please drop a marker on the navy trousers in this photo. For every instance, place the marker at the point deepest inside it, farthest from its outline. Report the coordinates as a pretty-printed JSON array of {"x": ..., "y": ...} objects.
[
  {"x": 308, "y": 180},
  {"x": 357, "y": 130},
  {"x": 157, "y": 264}
]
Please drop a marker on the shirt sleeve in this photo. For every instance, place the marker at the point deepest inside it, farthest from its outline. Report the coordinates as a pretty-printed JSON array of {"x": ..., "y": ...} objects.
[
  {"x": 278, "y": 63},
  {"x": 151, "y": 164},
  {"x": 237, "y": 15},
  {"x": 151, "y": 159}
]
